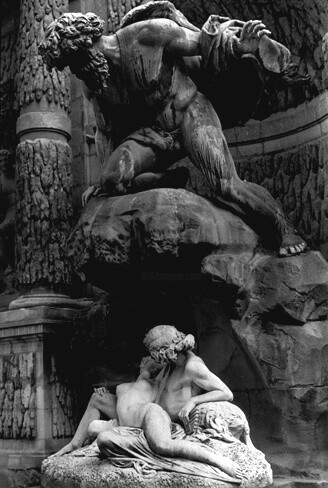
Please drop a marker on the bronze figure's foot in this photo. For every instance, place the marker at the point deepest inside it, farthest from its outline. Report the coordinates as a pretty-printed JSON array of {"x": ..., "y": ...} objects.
[{"x": 291, "y": 244}]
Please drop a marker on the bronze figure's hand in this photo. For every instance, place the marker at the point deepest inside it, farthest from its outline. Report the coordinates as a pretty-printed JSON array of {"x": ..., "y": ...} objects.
[{"x": 250, "y": 36}]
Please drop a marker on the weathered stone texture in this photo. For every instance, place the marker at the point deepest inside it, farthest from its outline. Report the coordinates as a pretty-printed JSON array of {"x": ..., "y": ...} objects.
[
  {"x": 17, "y": 396},
  {"x": 74, "y": 472},
  {"x": 8, "y": 102},
  {"x": 34, "y": 80},
  {"x": 85, "y": 468},
  {"x": 117, "y": 10},
  {"x": 62, "y": 405},
  {"x": 294, "y": 363},
  {"x": 20, "y": 478},
  {"x": 325, "y": 56},
  {"x": 7, "y": 222},
  {"x": 298, "y": 25},
  {"x": 297, "y": 179},
  {"x": 153, "y": 227},
  {"x": 43, "y": 164},
  {"x": 178, "y": 230},
  {"x": 293, "y": 289},
  {"x": 291, "y": 357},
  {"x": 8, "y": 117},
  {"x": 44, "y": 207},
  {"x": 8, "y": 60}
]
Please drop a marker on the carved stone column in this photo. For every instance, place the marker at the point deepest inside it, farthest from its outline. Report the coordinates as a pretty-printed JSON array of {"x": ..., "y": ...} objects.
[
  {"x": 36, "y": 414},
  {"x": 43, "y": 161}
]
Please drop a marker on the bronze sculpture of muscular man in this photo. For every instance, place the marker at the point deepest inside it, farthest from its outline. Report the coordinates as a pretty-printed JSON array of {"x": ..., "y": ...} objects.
[{"x": 140, "y": 73}]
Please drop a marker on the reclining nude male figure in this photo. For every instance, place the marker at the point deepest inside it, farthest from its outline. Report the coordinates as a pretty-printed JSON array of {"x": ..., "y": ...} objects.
[{"x": 134, "y": 404}]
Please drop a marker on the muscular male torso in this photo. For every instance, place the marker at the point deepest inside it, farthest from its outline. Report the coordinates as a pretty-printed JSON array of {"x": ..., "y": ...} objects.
[
  {"x": 155, "y": 74},
  {"x": 146, "y": 78}
]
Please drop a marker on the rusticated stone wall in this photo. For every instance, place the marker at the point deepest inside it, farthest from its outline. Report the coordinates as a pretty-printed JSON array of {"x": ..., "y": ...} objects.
[
  {"x": 297, "y": 179},
  {"x": 17, "y": 396}
]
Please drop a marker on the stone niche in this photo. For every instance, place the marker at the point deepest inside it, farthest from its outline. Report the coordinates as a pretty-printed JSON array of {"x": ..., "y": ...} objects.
[{"x": 260, "y": 322}]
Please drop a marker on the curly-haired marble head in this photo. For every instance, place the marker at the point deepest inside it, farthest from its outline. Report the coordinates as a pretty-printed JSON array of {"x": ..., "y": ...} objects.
[{"x": 164, "y": 342}]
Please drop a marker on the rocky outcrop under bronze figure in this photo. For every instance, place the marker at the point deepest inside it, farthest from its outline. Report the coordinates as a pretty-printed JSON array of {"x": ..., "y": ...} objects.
[{"x": 173, "y": 229}]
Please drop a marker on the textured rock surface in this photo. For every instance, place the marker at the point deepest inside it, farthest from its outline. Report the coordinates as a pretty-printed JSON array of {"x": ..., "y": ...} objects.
[
  {"x": 153, "y": 227},
  {"x": 84, "y": 468},
  {"x": 20, "y": 478},
  {"x": 175, "y": 229},
  {"x": 293, "y": 288},
  {"x": 91, "y": 472},
  {"x": 293, "y": 424}
]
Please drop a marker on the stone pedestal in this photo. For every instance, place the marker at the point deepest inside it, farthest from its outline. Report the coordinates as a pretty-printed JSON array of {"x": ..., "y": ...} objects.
[
  {"x": 91, "y": 472},
  {"x": 36, "y": 401}
]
